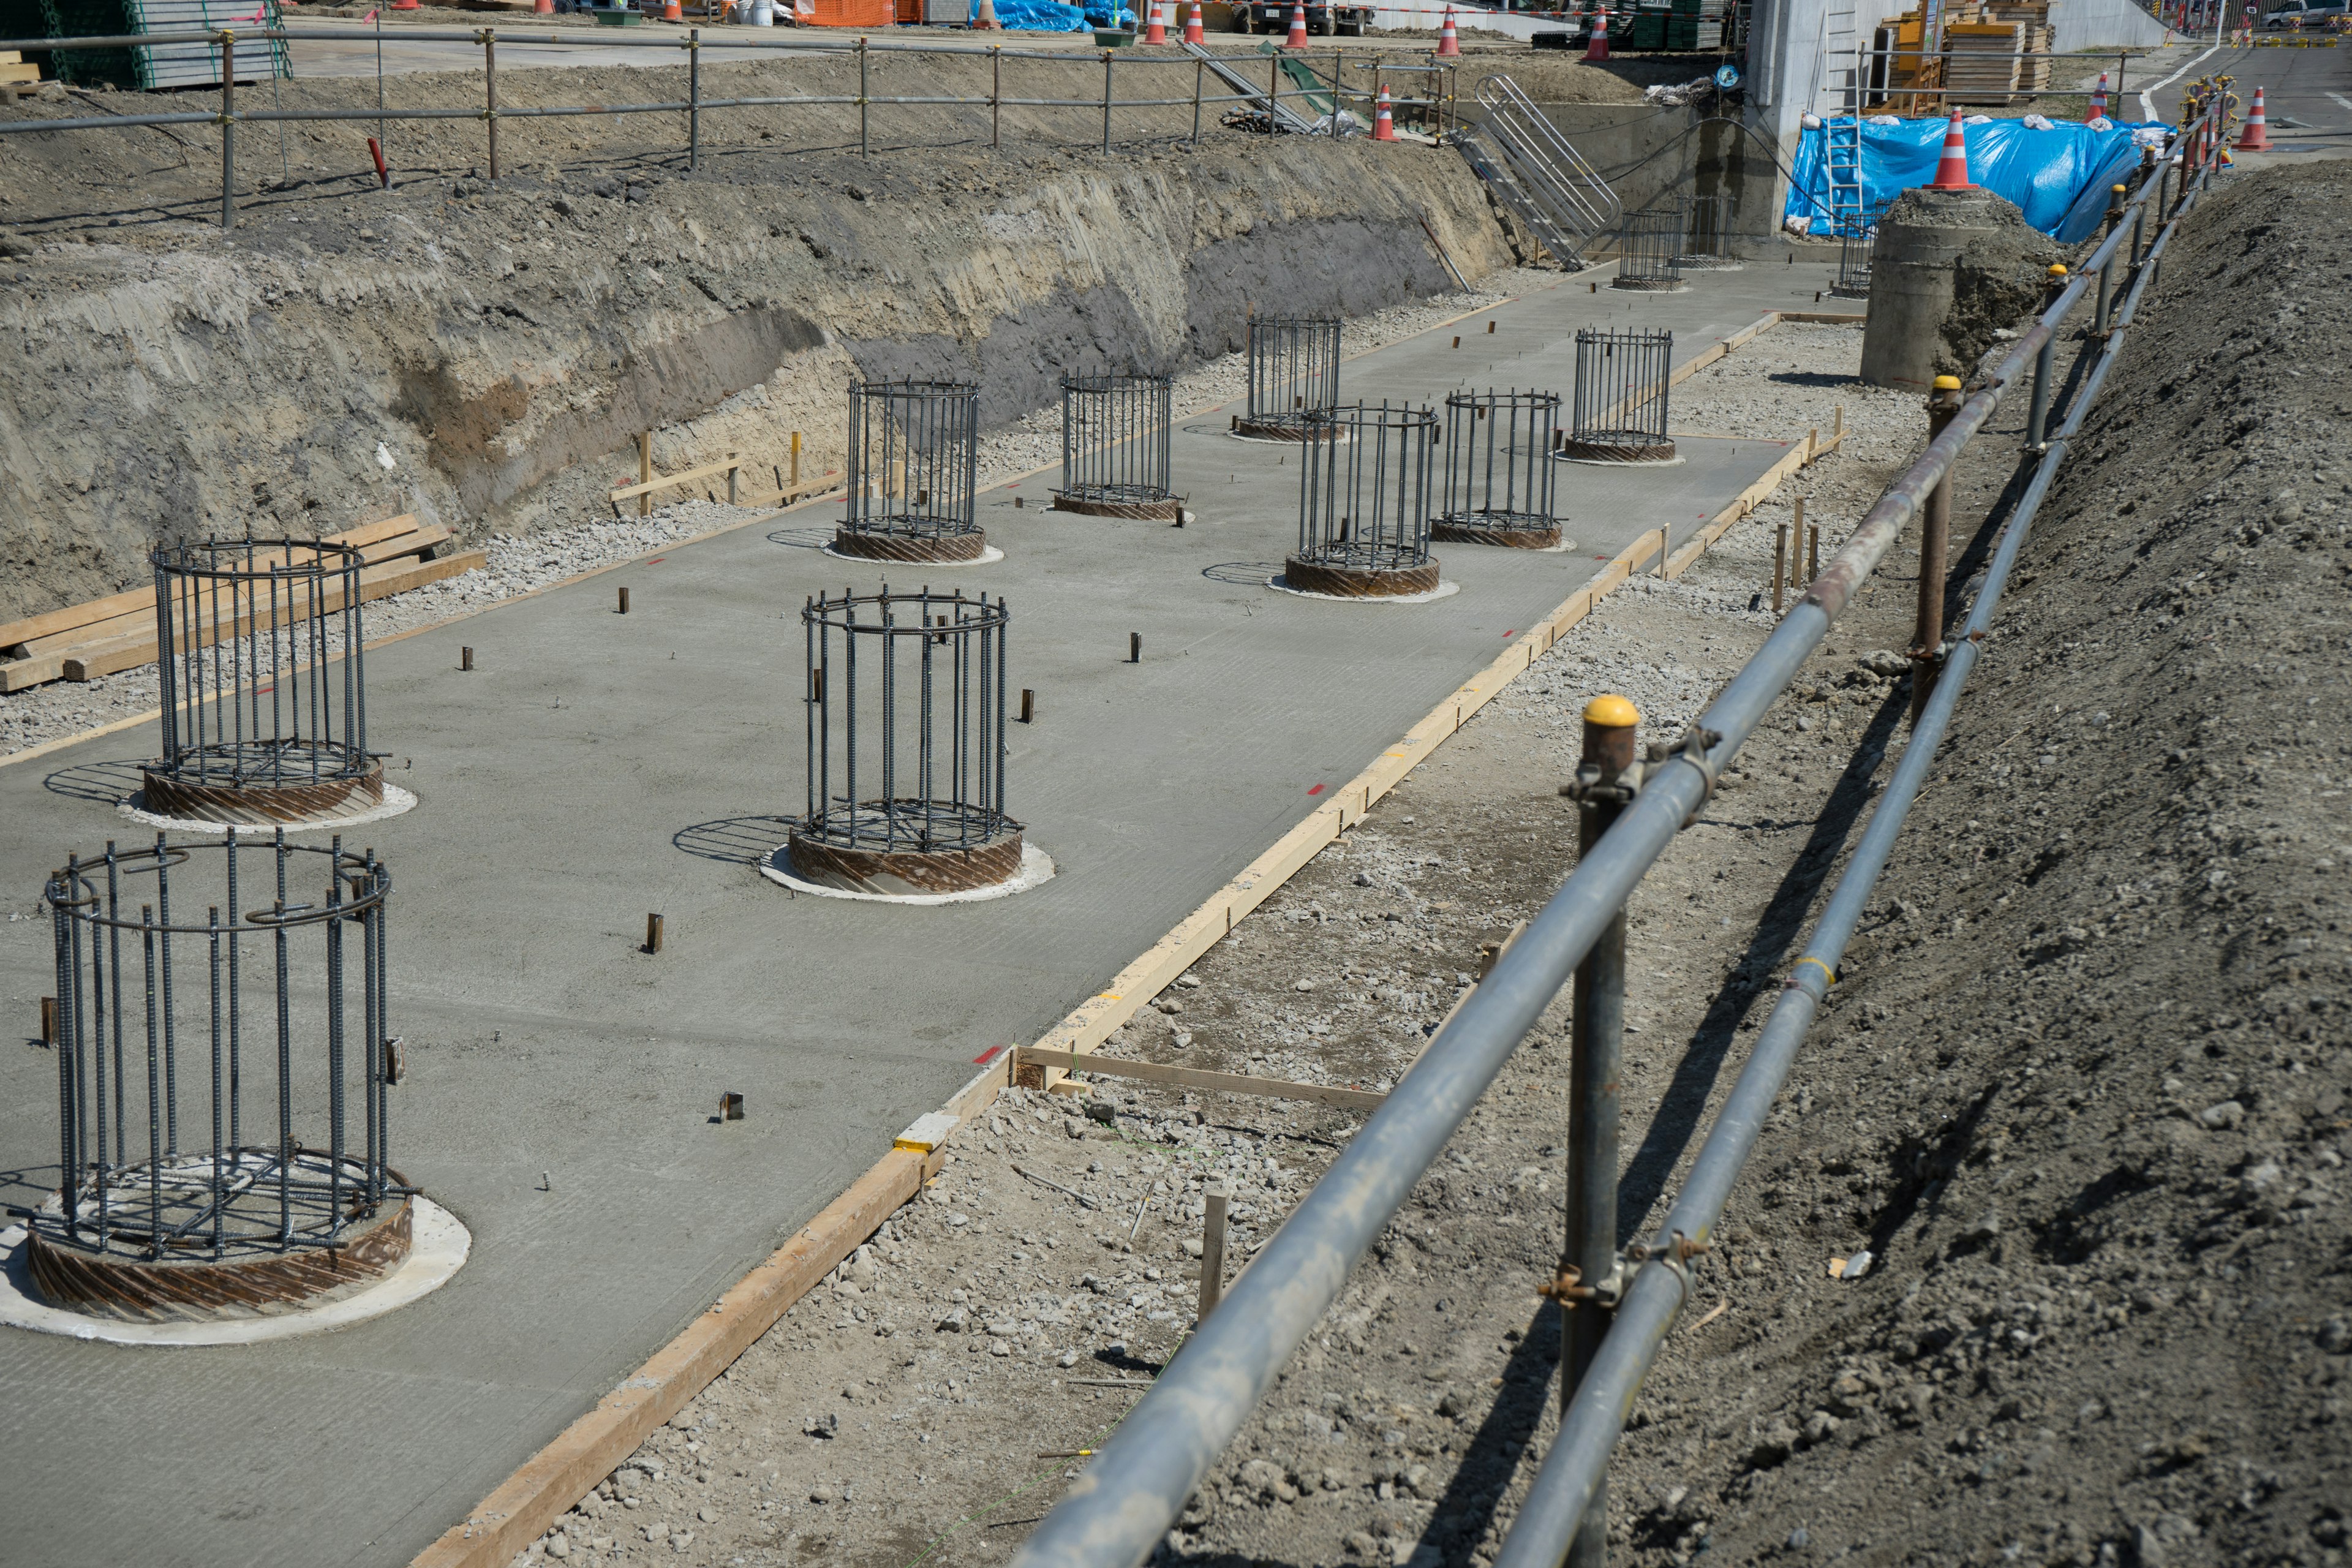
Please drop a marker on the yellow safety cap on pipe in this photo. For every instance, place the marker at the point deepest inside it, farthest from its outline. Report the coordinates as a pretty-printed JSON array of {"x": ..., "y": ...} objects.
[
  {"x": 1948, "y": 383},
  {"x": 1611, "y": 712}
]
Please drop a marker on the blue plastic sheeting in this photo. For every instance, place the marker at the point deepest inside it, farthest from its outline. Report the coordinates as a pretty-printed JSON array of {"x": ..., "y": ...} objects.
[
  {"x": 2044, "y": 172},
  {"x": 1039, "y": 16}
]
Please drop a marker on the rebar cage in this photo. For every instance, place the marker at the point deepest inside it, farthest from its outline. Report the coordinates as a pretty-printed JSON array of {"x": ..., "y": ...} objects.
[
  {"x": 1363, "y": 501},
  {"x": 1294, "y": 375},
  {"x": 906, "y": 723},
  {"x": 1114, "y": 454},
  {"x": 262, "y": 656},
  {"x": 1499, "y": 479},
  {"x": 1618, "y": 412},
  {"x": 1646, "y": 246},
  {"x": 241, "y": 1018},
  {"x": 1705, "y": 234},
  {"x": 1855, "y": 249},
  {"x": 913, "y": 471}
]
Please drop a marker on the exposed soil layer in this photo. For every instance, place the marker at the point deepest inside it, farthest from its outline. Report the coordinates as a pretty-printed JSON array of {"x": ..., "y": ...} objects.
[{"x": 485, "y": 355}]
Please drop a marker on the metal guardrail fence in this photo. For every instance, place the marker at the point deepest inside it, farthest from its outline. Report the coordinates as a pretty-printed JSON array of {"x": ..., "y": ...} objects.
[
  {"x": 1125, "y": 1500},
  {"x": 691, "y": 44}
]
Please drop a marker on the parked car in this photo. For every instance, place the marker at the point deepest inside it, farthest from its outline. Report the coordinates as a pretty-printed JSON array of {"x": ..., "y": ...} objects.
[{"x": 2306, "y": 16}]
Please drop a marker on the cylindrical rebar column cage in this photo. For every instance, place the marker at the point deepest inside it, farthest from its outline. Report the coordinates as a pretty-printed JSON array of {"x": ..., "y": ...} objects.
[
  {"x": 913, "y": 475},
  {"x": 1854, "y": 248},
  {"x": 1115, "y": 448},
  {"x": 906, "y": 745},
  {"x": 1363, "y": 503},
  {"x": 1499, "y": 478},
  {"x": 265, "y": 684},
  {"x": 221, "y": 1015},
  {"x": 1618, "y": 413},
  {"x": 1706, "y": 233},
  {"x": 1294, "y": 375},
  {"x": 1646, "y": 246}
]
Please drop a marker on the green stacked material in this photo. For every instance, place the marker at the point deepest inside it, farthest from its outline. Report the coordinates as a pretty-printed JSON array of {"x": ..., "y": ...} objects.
[
  {"x": 90, "y": 18},
  {"x": 1649, "y": 30},
  {"x": 1691, "y": 33}
]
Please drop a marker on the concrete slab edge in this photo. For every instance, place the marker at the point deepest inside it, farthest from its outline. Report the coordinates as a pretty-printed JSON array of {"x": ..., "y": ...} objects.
[{"x": 522, "y": 1506}]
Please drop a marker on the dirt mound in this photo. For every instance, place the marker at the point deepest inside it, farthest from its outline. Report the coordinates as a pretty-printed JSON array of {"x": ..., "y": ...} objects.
[
  {"x": 1998, "y": 275},
  {"x": 2083, "y": 1091}
]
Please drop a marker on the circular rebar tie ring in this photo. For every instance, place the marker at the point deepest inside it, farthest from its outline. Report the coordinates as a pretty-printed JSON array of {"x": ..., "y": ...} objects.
[
  {"x": 904, "y": 873},
  {"x": 1512, "y": 530},
  {"x": 878, "y": 545},
  {"x": 1306, "y": 576},
  {"x": 1850, "y": 291},
  {"x": 1167, "y": 511},
  {"x": 252, "y": 1279},
  {"x": 1648, "y": 285},
  {"x": 196, "y": 799},
  {"x": 1286, "y": 428},
  {"x": 1618, "y": 446},
  {"x": 1707, "y": 263}
]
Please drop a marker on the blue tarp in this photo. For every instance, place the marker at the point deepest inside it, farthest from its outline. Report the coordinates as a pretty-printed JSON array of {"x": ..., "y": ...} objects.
[
  {"x": 2047, "y": 173},
  {"x": 1052, "y": 16}
]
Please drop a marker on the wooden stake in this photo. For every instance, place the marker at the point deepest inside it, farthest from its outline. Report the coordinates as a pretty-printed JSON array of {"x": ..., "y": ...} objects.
[
  {"x": 464, "y": 659},
  {"x": 1212, "y": 1249},
  {"x": 1779, "y": 564},
  {"x": 653, "y": 934},
  {"x": 624, "y": 602},
  {"x": 645, "y": 472},
  {"x": 49, "y": 1020},
  {"x": 795, "y": 483}
]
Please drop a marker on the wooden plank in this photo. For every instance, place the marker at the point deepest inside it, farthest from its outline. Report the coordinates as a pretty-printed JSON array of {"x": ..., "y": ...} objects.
[
  {"x": 16, "y": 633},
  {"x": 1201, "y": 1078},
  {"x": 98, "y": 633},
  {"x": 521, "y": 1511},
  {"x": 665, "y": 480},
  {"x": 376, "y": 583},
  {"x": 28, "y": 672},
  {"x": 1826, "y": 317}
]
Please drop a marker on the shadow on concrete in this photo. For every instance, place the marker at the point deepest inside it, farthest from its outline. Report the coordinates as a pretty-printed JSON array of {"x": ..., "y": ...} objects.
[
  {"x": 737, "y": 840},
  {"x": 109, "y": 783}
]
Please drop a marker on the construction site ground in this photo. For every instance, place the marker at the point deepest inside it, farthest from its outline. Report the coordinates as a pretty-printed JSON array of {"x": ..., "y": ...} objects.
[
  {"x": 2080, "y": 1094},
  {"x": 595, "y": 767}
]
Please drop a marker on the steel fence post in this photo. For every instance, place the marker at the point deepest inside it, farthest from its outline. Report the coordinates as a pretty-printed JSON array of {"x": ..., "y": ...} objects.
[
  {"x": 2037, "y": 419},
  {"x": 489, "y": 39},
  {"x": 228, "y": 129},
  {"x": 1935, "y": 534},
  {"x": 693, "y": 100}
]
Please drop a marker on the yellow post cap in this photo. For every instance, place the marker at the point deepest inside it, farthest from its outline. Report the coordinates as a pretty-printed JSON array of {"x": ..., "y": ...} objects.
[
  {"x": 2118, "y": 190},
  {"x": 1611, "y": 712},
  {"x": 2057, "y": 269},
  {"x": 1948, "y": 383}
]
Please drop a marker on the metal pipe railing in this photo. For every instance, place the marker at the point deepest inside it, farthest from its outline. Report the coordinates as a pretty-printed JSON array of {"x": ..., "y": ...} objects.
[
  {"x": 1576, "y": 1467},
  {"x": 1122, "y": 1504}
]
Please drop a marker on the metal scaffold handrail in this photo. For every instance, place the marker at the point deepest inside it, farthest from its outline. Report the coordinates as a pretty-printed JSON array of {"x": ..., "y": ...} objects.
[
  {"x": 1571, "y": 190},
  {"x": 1122, "y": 1505}
]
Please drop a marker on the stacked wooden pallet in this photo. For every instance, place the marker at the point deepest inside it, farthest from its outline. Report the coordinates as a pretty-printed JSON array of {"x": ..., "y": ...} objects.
[
  {"x": 106, "y": 636},
  {"x": 1981, "y": 63},
  {"x": 14, "y": 71},
  {"x": 2039, "y": 38}
]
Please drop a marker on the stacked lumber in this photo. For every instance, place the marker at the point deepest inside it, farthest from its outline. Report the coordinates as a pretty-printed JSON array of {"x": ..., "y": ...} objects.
[
  {"x": 1981, "y": 63},
  {"x": 106, "y": 636},
  {"x": 14, "y": 71},
  {"x": 2039, "y": 38}
]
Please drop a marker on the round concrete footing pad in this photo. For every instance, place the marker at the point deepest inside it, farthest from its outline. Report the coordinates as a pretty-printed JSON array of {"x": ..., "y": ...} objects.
[
  {"x": 922, "y": 548},
  {"x": 985, "y": 558},
  {"x": 395, "y": 801},
  {"x": 437, "y": 1249},
  {"x": 1036, "y": 869},
  {"x": 1281, "y": 585}
]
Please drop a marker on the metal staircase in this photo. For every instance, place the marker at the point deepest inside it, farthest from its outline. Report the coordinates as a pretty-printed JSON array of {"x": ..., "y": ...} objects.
[
  {"x": 1534, "y": 173},
  {"x": 1284, "y": 116}
]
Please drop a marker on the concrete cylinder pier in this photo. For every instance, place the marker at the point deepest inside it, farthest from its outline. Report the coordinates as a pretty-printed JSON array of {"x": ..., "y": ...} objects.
[{"x": 1915, "y": 281}]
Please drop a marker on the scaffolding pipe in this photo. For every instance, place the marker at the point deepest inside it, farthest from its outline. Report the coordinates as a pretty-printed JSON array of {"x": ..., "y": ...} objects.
[{"x": 1577, "y": 1467}]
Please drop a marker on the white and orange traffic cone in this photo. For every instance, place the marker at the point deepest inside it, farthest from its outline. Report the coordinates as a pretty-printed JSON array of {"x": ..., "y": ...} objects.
[
  {"x": 1192, "y": 33},
  {"x": 983, "y": 17},
  {"x": 1297, "y": 40},
  {"x": 1157, "y": 31},
  {"x": 2257, "y": 137},
  {"x": 1384, "y": 129},
  {"x": 1596, "y": 42},
  {"x": 1952, "y": 168},
  {"x": 1449, "y": 48},
  {"x": 2098, "y": 101},
  {"x": 673, "y": 12},
  {"x": 544, "y": 7}
]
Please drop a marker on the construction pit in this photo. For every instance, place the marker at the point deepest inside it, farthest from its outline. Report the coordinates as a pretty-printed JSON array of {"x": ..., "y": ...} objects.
[{"x": 699, "y": 1309}]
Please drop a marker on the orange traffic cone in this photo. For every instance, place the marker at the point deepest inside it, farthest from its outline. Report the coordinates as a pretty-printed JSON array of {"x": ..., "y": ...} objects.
[
  {"x": 1157, "y": 32},
  {"x": 671, "y": 12},
  {"x": 983, "y": 17},
  {"x": 2098, "y": 99},
  {"x": 1384, "y": 129},
  {"x": 402, "y": 5},
  {"x": 1952, "y": 168},
  {"x": 1192, "y": 34},
  {"x": 544, "y": 7},
  {"x": 1596, "y": 42},
  {"x": 1449, "y": 48},
  {"x": 2257, "y": 137},
  {"x": 1297, "y": 40}
]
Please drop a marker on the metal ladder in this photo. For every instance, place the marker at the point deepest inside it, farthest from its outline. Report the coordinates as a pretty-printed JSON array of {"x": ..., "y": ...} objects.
[
  {"x": 1283, "y": 115},
  {"x": 1535, "y": 172},
  {"x": 1842, "y": 147}
]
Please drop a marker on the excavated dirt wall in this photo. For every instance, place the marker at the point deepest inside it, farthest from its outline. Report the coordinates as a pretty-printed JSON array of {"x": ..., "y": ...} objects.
[{"x": 485, "y": 355}]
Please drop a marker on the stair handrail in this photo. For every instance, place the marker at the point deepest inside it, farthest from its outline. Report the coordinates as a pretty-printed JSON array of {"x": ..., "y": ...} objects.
[{"x": 1555, "y": 171}]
